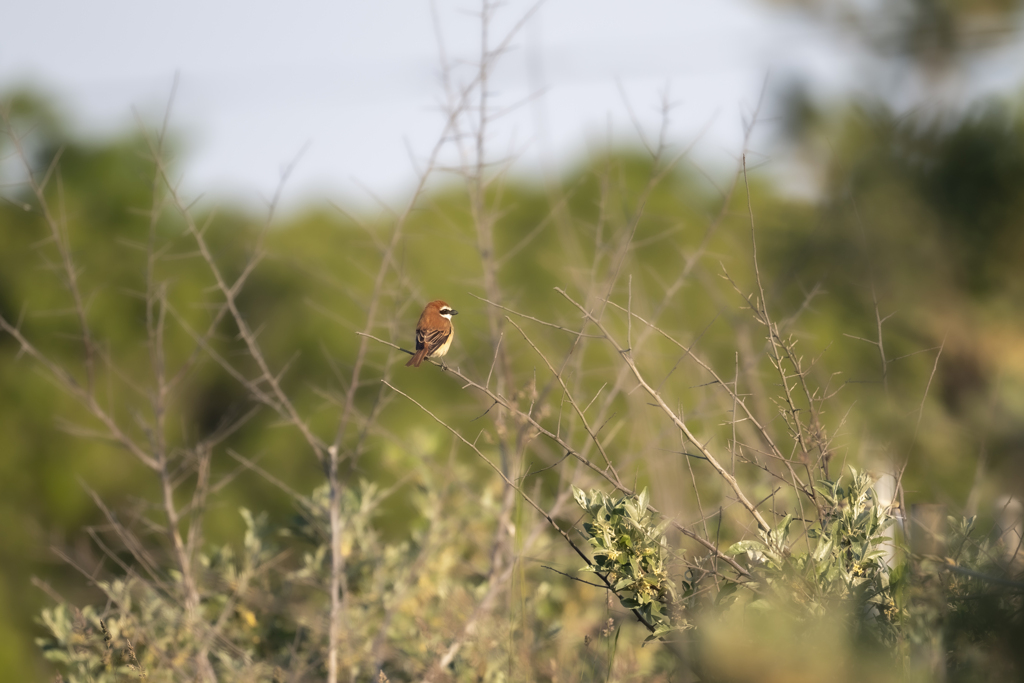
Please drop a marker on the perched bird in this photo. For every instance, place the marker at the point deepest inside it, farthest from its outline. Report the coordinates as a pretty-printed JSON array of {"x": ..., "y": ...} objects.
[{"x": 434, "y": 332}]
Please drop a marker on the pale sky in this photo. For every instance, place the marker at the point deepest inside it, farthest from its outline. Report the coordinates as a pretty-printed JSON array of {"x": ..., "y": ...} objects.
[{"x": 357, "y": 85}]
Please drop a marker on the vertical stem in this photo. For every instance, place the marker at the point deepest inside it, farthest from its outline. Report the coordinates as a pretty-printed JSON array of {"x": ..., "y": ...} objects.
[{"x": 334, "y": 630}]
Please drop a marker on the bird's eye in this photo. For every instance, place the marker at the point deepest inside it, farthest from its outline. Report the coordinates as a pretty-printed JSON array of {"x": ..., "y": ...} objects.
[{"x": 445, "y": 310}]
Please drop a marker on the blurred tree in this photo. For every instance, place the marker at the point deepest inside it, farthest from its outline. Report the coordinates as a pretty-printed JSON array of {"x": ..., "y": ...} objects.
[
  {"x": 932, "y": 37},
  {"x": 919, "y": 180}
]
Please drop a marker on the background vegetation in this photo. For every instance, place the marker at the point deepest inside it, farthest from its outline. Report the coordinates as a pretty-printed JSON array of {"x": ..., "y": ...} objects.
[{"x": 211, "y": 443}]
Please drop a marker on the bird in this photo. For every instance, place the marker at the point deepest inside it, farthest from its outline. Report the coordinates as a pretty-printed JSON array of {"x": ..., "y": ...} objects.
[{"x": 434, "y": 332}]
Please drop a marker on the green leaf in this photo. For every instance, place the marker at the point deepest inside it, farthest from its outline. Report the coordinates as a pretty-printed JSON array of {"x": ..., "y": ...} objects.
[
  {"x": 781, "y": 532},
  {"x": 643, "y": 499},
  {"x": 823, "y": 550},
  {"x": 822, "y": 569},
  {"x": 744, "y": 546},
  {"x": 726, "y": 592},
  {"x": 624, "y": 583},
  {"x": 874, "y": 553},
  {"x": 581, "y": 498},
  {"x": 660, "y": 529}
]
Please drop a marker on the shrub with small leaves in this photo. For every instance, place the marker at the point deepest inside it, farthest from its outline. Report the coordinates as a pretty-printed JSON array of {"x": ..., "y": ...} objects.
[
  {"x": 629, "y": 551},
  {"x": 844, "y": 567},
  {"x": 843, "y": 570}
]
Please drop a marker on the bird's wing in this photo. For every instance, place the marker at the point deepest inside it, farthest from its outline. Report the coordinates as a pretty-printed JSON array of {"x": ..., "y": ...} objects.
[{"x": 432, "y": 339}]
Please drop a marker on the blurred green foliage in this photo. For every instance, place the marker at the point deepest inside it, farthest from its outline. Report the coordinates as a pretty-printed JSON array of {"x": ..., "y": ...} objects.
[
  {"x": 934, "y": 37},
  {"x": 918, "y": 223},
  {"x": 851, "y": 576}
]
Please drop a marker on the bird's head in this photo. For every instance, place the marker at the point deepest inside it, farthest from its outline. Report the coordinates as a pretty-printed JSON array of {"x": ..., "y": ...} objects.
[{"x": 443, "y": 309}]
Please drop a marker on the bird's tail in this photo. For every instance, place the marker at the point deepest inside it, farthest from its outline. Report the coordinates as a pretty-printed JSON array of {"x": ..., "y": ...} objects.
[{"x": 417, "y": 358}]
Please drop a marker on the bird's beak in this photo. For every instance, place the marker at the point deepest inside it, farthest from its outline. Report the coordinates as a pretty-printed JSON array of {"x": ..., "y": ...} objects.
[{"x": 454, "y": 312}]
